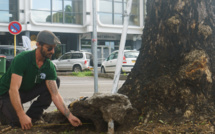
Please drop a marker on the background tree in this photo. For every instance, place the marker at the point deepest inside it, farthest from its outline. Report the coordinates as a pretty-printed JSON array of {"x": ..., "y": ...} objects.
[
  {"x": 173, "y": 77},
  {"x": 69, "y": 17},
  {"x": 58, "y": 16}
]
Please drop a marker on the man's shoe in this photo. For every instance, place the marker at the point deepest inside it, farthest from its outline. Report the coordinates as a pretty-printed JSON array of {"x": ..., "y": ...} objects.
[{"x": 38, "y": 121}]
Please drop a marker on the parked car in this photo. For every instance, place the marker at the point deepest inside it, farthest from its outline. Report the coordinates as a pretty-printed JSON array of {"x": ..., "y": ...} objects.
[
  {"x": 74, "y": 61},
  {"x": 129, "y": 59},
  {"x": 8, "y": 51}
]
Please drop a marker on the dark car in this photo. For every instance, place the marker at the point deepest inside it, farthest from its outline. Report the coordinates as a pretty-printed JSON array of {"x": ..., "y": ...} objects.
[{"x": 8, "y": 51}]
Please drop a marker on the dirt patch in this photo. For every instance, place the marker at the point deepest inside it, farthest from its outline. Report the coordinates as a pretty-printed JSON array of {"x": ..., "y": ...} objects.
[
  {"x": 139, "y": 124},
  {"x": 159, "y": 127}
]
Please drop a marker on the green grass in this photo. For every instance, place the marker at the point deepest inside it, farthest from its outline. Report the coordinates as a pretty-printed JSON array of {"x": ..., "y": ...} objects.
[
  {"x": 82, "y": 74},
  {"x": 68, "y": 132}
]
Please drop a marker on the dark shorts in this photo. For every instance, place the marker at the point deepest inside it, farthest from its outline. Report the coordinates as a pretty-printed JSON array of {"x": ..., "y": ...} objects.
[{"x": 43, "y": 100}]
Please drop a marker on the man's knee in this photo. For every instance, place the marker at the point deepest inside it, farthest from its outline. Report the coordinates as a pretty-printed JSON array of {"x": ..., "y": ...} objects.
[
  {"x": 8, "y": 115},
  {"x": 58, "y": 82}
]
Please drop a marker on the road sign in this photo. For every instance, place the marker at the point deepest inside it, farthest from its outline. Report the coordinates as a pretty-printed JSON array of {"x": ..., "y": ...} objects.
[{"x": 15, "y": 27}]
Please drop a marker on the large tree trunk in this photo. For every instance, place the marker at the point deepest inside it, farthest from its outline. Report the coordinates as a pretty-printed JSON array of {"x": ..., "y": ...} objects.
[{"x": 174, "y": 72}]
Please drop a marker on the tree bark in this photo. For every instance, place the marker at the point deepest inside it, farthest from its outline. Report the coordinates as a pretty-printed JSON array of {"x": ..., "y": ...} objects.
[{"x": 174, "y": 73}]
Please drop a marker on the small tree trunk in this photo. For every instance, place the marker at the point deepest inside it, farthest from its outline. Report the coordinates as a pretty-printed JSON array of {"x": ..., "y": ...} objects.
[{"x": 174, "y": 72}]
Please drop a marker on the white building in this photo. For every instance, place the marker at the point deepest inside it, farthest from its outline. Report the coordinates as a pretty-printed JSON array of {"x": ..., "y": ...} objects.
[{"x": 72, "y": 22}]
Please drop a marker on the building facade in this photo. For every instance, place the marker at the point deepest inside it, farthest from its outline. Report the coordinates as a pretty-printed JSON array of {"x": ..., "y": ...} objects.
[{"x": 72, "y": 22}]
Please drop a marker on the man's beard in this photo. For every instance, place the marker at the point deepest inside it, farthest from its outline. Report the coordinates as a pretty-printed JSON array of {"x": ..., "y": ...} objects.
[{"x": 44, "y": 54}]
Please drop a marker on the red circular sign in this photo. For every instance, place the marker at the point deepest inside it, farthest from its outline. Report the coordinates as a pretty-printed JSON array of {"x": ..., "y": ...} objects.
[{"x": 15, "y": 27}]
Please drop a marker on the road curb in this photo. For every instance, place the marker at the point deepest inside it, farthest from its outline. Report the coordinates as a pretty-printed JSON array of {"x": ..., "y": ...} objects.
[
  {"x": 104, "y": 75},
  {"x": 64, "y": 73},
  {"x": 111, "y": 75}
]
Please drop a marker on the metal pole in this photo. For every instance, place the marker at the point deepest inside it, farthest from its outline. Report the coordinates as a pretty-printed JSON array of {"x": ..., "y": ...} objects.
[
  {"x": 94, "y": 44},
  {"x": 14, "y": 45},
  {"x": 121, "y": 47},
  {"x": 110, "y": 127}
]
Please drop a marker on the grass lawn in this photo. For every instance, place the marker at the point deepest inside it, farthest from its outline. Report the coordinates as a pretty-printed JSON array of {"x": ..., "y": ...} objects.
[{"x": 82, "y": 74}]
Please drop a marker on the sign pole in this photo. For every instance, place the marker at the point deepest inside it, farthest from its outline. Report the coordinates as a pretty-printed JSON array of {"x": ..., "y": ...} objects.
[
  {"x": 15, "y": 28},
  {"x": 14, "y": 45}
]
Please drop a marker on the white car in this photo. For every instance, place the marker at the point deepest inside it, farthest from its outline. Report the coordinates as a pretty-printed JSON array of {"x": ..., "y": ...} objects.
[
  {"x": 74, "y": 61},
  {"x": 129, "y": 59}
]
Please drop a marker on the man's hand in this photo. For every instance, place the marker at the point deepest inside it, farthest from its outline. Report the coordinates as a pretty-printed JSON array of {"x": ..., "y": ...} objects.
[
  {"x": 74, "y": 120},
  {"x": 25, "y": 122},
  {"x": 58, "y": 101},
  {"x": 15, "y": 84}
]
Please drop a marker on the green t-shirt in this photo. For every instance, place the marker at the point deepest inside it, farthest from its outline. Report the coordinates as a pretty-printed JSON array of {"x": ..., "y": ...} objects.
[{"x": 24, "y": 64}]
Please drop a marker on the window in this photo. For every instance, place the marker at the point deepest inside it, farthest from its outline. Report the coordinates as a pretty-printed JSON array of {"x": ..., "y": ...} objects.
[
  {"x": 111, "y": 57},
  {"x": 8, "y": 10},
  {"x": 131, "y": 54},
  {"x": 112, "y": 12},
  {"x": 115, "y": 55},
  {"x": 135, "y": 13},
  {"x": 66, "y": 56},
  {"x": 89, "y": 56},
  {"x": 144, "y": 10},
  {"x": 77, "y": 55},
  {"x": 58, "y": 11}
]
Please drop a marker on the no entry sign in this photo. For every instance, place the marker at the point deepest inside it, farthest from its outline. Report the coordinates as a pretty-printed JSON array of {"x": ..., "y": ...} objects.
[{"x": 15, "y": 27}]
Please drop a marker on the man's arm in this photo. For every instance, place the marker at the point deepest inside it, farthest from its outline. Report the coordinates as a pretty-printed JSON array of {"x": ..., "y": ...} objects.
[
  {"x": 15, "y": 84},
  {"x": 58, "y": 101}
]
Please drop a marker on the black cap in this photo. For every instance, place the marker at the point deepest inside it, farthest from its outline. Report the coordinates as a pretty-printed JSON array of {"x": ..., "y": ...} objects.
[{"x": 48, "y": 37}]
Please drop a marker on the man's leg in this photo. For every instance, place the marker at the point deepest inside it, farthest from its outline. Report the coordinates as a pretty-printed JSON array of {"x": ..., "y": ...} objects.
[
  {"x": 8, "y": 115},
  {"x": 43, "y": 101},
  {"x": 7, "y": 111}
]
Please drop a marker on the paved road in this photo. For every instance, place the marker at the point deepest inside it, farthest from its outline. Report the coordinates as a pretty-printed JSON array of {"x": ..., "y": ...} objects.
[{"x": 72, "y": 88}]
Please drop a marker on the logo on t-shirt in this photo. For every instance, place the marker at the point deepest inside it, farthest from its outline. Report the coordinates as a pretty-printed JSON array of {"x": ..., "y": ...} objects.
[{"x": 42, "y": 76}]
